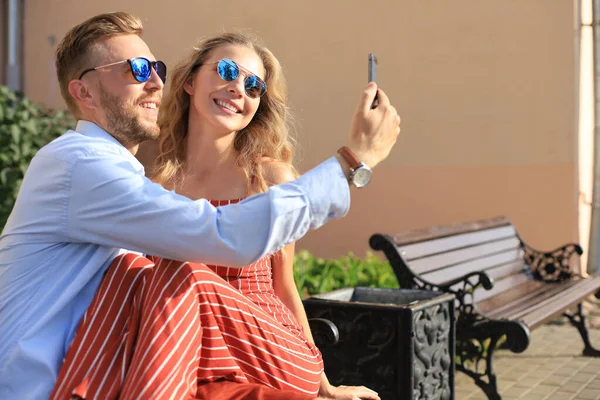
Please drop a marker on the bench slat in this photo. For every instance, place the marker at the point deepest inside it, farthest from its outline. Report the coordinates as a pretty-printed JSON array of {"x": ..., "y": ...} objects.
[
  {"x": 503, "y": 271},
  {"x": 497, "y": 301},
  {"x": 528, "y": 302},
  {"x": 480, "y": 264},
  {"x": 436, "y": 232},
  {"x": 500, "y": 286},
  {"x": 540, "y": 301},
  {"x": 431, "y": 263},
  {"x": 436, "y": 246},
  {"x": 556, "y": 306}
]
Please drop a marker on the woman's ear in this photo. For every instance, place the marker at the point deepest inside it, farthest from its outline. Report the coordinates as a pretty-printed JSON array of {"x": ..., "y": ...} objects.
[{"x": 188, "y": 86}]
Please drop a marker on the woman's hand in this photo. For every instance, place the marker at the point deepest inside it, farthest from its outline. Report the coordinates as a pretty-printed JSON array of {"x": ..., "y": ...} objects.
[{"x": 348, "y": 393}]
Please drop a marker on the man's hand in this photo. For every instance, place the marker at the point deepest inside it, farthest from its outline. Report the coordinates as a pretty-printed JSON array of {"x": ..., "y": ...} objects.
[{"x": 374, "y": 131}]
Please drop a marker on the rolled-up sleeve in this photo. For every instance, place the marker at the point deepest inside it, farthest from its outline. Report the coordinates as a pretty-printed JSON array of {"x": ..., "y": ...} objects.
[{"x": 112, "y": 204}]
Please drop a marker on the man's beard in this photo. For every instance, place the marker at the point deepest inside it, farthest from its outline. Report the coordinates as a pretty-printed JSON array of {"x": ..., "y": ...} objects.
[{"x": 124, "y": 122}]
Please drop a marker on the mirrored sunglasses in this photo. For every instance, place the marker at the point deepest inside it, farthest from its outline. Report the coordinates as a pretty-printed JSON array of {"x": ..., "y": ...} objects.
[
  {"x": 229, "y": 71},
  {"x": 141, "y": 69}
]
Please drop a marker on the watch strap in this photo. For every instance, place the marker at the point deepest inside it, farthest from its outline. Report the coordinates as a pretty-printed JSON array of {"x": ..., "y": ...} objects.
[{"x": 350, "y": 157}]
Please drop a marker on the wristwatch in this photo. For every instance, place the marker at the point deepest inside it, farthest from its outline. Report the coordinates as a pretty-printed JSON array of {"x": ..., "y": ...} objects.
[{"x": 360, "y": 174}]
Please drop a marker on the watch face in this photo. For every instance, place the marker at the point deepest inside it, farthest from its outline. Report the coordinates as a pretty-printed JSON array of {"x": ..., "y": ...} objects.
[{"x": 361, "y": 176}]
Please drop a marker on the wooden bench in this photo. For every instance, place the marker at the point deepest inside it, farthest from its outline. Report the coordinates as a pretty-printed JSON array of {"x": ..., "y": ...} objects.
[{"x": 504, "y": 288}]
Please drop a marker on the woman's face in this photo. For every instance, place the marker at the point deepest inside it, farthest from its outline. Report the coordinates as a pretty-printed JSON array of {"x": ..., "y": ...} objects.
[{"x": 224, "y": 106}]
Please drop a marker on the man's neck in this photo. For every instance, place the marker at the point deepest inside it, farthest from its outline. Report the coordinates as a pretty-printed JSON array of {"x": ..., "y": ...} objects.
[{"x": 132, "y": 148}]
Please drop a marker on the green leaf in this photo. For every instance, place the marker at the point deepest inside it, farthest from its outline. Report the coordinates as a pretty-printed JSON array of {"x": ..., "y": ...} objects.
[
  {"x": 15, "y": 133},
  {"x": 24, "y": 128},
  {"x": 4, "y": 176}
]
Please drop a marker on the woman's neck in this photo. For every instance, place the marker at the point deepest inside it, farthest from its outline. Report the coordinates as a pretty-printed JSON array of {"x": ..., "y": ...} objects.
[
  {"x": 206, "y": 151},
  {"x": 210, "y": 168}
]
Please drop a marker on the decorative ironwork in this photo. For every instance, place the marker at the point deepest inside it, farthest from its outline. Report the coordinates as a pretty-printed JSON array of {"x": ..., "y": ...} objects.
[
  {"x": 481, "y": 335},
  {"x": 470, "y": 354},
  {"x": 463, "y": 289},
  {"x": 578, "y": 321},
  {"x": 476, "y": 345},
  {"x": 477, "y": 335},
  {"x": 432, "y": 358},
  {"x": 551, "y": 266},
  {"x": 400, "y": 351}
]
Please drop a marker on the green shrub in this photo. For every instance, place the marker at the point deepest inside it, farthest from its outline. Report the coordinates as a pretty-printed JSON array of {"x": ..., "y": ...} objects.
[
  {"x": 315, "y": 275},
  {"x": 24, "y": 129}
]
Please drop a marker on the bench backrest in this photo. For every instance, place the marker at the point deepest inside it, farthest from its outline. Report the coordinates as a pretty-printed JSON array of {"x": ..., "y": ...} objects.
[{"x": 444, "y": 253}]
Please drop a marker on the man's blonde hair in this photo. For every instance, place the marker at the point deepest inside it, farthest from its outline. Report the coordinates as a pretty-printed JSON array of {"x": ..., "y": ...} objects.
[{"x": 79, "y": 48}]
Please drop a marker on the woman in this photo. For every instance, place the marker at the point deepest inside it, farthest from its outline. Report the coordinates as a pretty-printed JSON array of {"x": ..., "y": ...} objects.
[{"x": 224, "y": 137}]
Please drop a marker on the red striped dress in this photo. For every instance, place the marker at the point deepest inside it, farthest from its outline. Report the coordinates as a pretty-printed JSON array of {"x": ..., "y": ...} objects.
[{"x": 163, "y": 329}]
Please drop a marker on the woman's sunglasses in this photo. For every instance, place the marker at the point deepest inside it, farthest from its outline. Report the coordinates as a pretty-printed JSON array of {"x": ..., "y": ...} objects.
[
  {"x": 141, "y": 68},
  {"x": 229, "y": 71}
]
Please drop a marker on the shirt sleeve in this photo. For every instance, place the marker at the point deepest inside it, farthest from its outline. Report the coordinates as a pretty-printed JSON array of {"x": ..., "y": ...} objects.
[{"x": 112, "y": 204}]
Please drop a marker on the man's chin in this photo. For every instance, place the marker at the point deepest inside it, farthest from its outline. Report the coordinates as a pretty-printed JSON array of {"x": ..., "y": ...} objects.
[{"x": 150, "y": 128}]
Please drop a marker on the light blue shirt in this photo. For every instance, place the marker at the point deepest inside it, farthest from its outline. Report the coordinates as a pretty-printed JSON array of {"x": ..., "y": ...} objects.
[{"x": 83, "y": 199}]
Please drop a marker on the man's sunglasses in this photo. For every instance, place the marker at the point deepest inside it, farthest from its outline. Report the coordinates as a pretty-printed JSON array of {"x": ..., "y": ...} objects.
[
  {"x": 229, "y": 71},
  {"x": 141, "y": 68}
]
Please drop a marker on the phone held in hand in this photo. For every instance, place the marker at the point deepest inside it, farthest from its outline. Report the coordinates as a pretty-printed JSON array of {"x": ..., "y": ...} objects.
[{"x": 373, "y": 75}]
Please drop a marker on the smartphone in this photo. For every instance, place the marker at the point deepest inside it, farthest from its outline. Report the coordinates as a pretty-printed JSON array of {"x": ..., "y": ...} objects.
[{"x": 373, "y": 74}]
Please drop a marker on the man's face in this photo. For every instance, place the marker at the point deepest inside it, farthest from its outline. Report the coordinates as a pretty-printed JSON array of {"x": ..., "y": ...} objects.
[{"x": 125, "y": 108}]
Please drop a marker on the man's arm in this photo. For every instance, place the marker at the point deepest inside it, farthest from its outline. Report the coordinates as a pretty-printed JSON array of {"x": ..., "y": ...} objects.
[
  {"x": 113, "y": 205},
  {"x": 116, "y": 207}
]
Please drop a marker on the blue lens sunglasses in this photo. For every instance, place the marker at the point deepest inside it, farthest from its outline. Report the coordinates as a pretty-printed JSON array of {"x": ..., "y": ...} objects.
[
  {"x": 141, "y": 68},
  {"x": 229, "y": 71}
]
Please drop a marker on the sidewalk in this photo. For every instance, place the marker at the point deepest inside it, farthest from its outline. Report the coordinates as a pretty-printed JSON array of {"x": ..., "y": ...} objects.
[{"x": 551, "y": 368}]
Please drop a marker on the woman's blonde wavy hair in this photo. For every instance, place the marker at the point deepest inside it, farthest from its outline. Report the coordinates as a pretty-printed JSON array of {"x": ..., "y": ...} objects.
[{"x": 267, "y": 134}]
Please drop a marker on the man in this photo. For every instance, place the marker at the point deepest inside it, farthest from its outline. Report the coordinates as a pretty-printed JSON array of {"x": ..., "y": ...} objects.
[{"x": 85, "y": 197}]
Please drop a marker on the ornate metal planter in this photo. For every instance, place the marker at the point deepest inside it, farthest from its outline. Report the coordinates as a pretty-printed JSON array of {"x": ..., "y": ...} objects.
[{"x": 398, "y": 342}]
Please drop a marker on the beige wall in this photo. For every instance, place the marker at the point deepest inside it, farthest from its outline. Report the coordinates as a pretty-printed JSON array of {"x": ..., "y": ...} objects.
[{"x": 486, "y": 91}]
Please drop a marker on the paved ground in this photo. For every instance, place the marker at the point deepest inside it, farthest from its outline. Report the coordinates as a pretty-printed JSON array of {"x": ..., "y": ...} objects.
[{"x": 551, "y": 368}]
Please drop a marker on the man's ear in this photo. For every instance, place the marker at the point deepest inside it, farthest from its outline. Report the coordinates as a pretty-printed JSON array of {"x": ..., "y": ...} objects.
[
  {"x": 80, "y": 91},
  {"x": 188, "y": 86}
]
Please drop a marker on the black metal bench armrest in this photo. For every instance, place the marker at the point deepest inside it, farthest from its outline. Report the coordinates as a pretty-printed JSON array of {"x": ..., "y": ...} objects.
[
  {"x": 464, "y": 293},
  {"x": 324, "y": 332},
  {"x": 516, "y": 333},
  {"x": 551, "y": 266},
  {"x": 407, "y": 279}
]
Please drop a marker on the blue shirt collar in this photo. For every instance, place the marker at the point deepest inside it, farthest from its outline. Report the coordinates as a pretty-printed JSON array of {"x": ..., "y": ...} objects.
[{"x": 90, "y": 129}]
